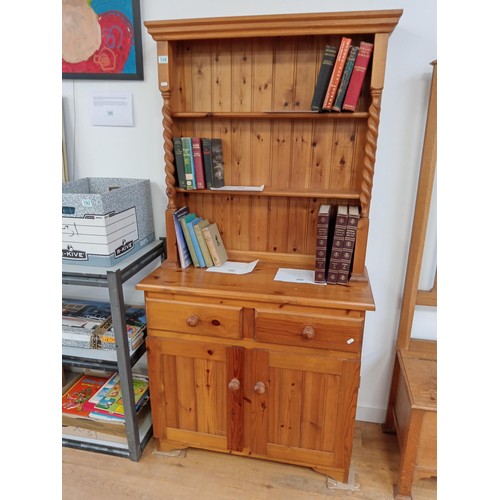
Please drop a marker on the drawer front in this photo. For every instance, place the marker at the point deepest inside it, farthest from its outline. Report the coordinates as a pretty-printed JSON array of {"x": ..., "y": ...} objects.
[
  {"x": 197, "y": 319},
  {"x": 324, "y": 332}
]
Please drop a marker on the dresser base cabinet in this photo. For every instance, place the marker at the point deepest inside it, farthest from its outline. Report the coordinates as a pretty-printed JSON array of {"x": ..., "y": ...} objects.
[{"x": 219, "y": 382}]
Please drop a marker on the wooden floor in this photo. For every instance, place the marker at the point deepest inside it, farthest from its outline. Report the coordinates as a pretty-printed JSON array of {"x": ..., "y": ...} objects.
[{"x": 203, "y": 475}]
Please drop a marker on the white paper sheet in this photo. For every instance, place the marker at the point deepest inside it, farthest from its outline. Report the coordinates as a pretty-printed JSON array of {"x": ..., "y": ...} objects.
[
  {"x": 234, "y": 267},
  {"x": 239, "y": 188},
  {"x": 296, "y": 276}
]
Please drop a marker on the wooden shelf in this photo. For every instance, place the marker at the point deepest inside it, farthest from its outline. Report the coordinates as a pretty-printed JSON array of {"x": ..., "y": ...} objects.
[
  {"x": 271, "y": 115},
  {"x": 338, "y": 195}
]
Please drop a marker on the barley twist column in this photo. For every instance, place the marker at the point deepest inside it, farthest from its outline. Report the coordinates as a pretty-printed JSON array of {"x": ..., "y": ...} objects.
[
  {"x": 370, "y": 150},
  {"x": 168, "y": 148}
]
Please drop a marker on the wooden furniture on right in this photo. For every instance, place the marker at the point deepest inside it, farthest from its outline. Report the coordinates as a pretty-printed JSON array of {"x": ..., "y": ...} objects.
[{"x": 412, "y": 409}]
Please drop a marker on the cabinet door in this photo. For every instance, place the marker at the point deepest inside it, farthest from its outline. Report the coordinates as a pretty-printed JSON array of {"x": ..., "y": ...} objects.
[
  {"x": 189, "y": 387},
  {"x": 300, "y": 408}
]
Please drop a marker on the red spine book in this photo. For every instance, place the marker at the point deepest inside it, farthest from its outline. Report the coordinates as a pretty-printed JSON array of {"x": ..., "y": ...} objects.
[
  {"x": 323, "y": 240},
  {"x": 348, "y": 248},
  {"x": 357, "y": 76},
  {"x": 337, "y": 245},
  {"x": 198, "y": 163},
  {"x": 338, "y": 69}
]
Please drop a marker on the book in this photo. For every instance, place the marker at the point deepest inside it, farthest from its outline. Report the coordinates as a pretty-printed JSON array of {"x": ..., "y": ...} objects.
[
  {"x": 112, "y": 402},
  {"x": 348, "y": 247},
  {"x": 323, "y": 242},
  {"x": 187, "y": 153},
  {"x": 194, "y": 240},
  {"x": 74, "y": 399},
  {"x": 198, "y": 162},
  {"x": 337, "y": 244},
  {"x": 346, "y": 76},
  {"x": 206, "y": 149},
  {"x": 183, "y": 222},
  {"x": 202, "y": 242},
  {"x": 179, "y": 163},
  {"x": 218, "y": 163},
  {"x": 324, "y": 74},
  {"x": 358, "y": 75},
  {"x": 338, "y": 68},
  {"x": 89, "y": 405},
  {"x": 215, "y": 244},
  {"x": 182, "y": 248}
]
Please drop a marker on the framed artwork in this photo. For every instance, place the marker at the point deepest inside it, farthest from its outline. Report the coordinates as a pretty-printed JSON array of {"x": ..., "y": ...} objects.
[{"x": 101, "y": 40}]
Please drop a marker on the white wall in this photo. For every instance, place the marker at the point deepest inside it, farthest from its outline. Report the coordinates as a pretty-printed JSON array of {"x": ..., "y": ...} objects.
[{"x": 138, "y": 152}]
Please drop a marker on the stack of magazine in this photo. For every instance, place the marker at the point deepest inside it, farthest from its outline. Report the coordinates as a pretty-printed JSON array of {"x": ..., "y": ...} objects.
[{"x": 88, "y": 324}]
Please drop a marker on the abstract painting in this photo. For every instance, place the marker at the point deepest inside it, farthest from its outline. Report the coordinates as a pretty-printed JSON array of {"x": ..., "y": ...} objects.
[{"x": 101, "y": 39}]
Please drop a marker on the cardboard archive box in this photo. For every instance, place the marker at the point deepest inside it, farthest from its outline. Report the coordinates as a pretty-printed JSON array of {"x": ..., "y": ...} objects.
[{"x": 105, "y": 219}]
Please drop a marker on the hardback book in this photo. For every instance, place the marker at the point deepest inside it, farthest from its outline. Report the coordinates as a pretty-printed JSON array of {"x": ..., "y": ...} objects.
[
  {"x": 183, "y": 221},
  {"x": 89, "y": 405},
  {"x": 337, "y": 244},
  {"x": 182, "y": 248},
  {"x": 194, "y": 239},
  {"x": 187, "y": 153},
  {"x": 218, "y": 163},
  {"x": 74, "y": 399},
  {"x": 112, "y": 403},
  {"x": 198, "y": 162},
  {"x": 206, "y": 148},
  {"x": 323, "y": 242},
  {"x": 198, "y": 227},
  {"x": 179, "y": 163},
  {"x": 324, "y": 74},
  {"x": 358, "y": 75},
  {"x": 348, "y": 248},
  {"x": 338, "y": 68},
  {"x": 346, "y": 76},
  {"x": 215, "y": 244}
]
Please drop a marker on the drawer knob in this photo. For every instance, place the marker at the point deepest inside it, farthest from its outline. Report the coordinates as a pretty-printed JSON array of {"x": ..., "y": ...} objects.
[
  {"x": 192, "y": 320},
  {"x": 308, "y": 332},
  {"x": 259, "y": 388},
  {"x": 234, "y": 384}
]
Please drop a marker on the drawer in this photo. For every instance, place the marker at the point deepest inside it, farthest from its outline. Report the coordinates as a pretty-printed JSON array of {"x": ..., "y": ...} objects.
[
  {"x": 190, "y": 317},
  {"x": 322, "y": 331}
]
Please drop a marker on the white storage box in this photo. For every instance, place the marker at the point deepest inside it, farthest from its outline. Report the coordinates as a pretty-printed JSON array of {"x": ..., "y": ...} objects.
[{"x": 105, "y": 219}]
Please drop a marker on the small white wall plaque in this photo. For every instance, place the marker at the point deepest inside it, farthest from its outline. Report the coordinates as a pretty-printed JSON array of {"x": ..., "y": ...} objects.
[{"x": 111, "y": 109}]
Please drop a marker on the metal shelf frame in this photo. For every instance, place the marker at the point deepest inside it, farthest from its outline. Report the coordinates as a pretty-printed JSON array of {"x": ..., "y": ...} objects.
[{"x": 113, "y": 279}]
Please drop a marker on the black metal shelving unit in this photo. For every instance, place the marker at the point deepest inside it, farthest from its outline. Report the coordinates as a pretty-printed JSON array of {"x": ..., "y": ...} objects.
[{"x": 113, "y": 278}]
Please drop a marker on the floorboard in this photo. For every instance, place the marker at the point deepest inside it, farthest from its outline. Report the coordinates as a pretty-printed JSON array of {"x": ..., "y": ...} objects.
[{"x": 203, "y": 475}]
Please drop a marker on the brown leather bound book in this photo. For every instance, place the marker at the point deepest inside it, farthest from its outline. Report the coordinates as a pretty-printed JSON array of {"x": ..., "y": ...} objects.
[
  {"x": 323, "y": 242},
  {"x": 348, "y": 248},
  {"x": 338, "y": 69},
  {"x": 337, "y": 244},
  {"x": 357, "y": 76}
]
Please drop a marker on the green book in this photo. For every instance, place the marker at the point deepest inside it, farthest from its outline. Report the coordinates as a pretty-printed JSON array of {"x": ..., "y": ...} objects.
[
  {"x": 202, "y": 242},
  {"x": 179, "y": 163},
  {"x": 187, "y": 153},
  {"x": 346, "y": 78},
  {"x": 184, "y": 220}
]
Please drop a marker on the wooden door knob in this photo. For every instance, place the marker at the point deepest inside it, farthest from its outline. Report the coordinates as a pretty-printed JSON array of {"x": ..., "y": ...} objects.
[
  {"x": 259, "y": 388},
  {"x": 308, "y": 332},
  {"x": 192, "y": 320},
  {"x": 234, "y": 384}
]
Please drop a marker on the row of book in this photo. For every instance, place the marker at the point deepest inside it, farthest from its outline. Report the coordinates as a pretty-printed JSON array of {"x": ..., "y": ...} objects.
[
  {"x": 100, "y": 398},
  {"x": 198, "y": 241},
  {"x": 88, "y": 324},
  {"x": 199, "y": 162},
  {"x": 337, "y": 229},
  {"x": 341, "y": 76}
]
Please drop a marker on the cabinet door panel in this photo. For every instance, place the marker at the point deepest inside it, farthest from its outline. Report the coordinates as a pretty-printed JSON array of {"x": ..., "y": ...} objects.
[{"x": 189, "y": 392}]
